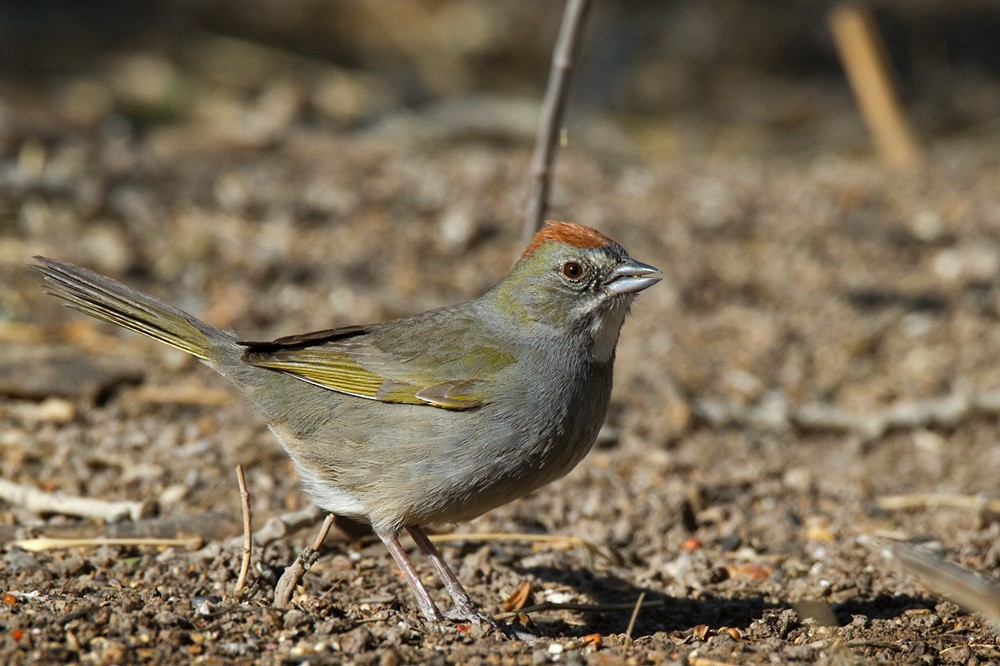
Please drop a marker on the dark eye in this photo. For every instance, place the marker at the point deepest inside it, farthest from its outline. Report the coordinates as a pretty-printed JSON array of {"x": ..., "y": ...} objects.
[{"x": 573, "y": 270}]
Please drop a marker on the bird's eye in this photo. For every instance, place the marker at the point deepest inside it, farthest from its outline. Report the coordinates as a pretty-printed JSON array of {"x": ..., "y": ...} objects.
[{"x": 573, "y": 270}]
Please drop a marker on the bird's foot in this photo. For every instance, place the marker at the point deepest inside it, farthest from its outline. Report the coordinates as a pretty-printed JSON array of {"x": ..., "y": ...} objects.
[
  {"x": 433, "y": 616},
  {"x": 471, "y": 613}
]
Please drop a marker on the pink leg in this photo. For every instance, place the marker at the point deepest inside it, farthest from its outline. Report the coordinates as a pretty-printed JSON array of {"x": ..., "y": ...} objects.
[
  {"x": 427, "y": 606},
  {"x": 465, "y": 607}
]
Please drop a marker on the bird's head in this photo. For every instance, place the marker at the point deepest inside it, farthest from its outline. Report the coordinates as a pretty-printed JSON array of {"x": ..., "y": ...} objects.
[{"x": 575, "y": 278}]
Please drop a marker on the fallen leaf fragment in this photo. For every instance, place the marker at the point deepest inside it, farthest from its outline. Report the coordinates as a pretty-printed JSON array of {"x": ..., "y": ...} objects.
[{"x": 518, "y": 599}]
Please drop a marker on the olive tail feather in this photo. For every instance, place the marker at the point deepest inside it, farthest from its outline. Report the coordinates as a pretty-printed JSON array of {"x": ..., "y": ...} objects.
[{"x": 113, "y": 302}]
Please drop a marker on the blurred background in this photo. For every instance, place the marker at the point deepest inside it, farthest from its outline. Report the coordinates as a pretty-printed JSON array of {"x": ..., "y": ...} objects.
[{"x": 670, "y": 77}]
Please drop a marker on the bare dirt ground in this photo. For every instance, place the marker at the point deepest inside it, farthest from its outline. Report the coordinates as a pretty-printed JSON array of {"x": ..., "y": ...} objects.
[{"x": 806, "y": 278}]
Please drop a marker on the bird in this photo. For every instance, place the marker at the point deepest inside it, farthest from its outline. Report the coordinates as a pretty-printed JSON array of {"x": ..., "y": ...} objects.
[{"x": 432, "y": 418}]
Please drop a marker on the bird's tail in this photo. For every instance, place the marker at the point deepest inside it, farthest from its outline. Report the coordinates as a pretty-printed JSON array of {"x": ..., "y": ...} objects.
[{"x": 113, "y": 302}]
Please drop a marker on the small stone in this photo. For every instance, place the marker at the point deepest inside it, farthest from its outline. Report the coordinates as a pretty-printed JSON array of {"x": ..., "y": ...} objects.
[
  {"x": 926, "y": 225},
  {"x": 971, "y": 264},
  {"x": 356, "y": 640},
  {"x": 294, "y": 618},
  {"x": 458, "y": 229}
]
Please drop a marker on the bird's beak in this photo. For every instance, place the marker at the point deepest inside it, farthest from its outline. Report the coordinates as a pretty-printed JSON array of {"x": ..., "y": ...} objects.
[{"x": 631, "y": 276}]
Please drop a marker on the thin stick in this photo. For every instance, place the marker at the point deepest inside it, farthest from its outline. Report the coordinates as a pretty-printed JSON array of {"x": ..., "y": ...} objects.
[
  {"x": 39, "y": 501},
  {"x": 563, "y": 57},
  {"x": 635, "y": 614},
  {"x": 39, "y": 544},
  {"x": 241, "y": 582},
  {"x": 293, "y": 574},
  {"x": 483, "y": 537},
  {"x": 210, "y": 526},
  {"x": 863, "y": 55},
  {"x": 580, "y": 608}
]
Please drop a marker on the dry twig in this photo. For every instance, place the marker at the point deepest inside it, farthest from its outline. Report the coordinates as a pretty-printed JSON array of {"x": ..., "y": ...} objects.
[
  {"x": 580, "y": 608},
  {"x": 293, "y": 574},
  {"x": 869, "y": 72},
  {"x": 563, "y": 57},
  {"x": 483, "y": 537},
  {"x": 210, "y": 527},
  {"x": 635, "y": 615},
  {"x": 241, "y": 582},
  {"x": 39, "y": 501}
]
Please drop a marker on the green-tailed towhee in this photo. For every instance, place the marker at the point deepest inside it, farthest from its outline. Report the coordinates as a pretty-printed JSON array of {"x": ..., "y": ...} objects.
[{"x": 437, "y": 417}]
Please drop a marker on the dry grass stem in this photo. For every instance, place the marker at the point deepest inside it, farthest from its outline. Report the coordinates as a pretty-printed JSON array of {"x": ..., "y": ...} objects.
[
  {"x": 869, "y": 71},
  {"x": 581, "y": 608},
  {"x": 559, "y": 540},
  {"x": 209, "y": 526},
  {"x": 39, "y": 544},
  {"x": 635, "y": 615}
]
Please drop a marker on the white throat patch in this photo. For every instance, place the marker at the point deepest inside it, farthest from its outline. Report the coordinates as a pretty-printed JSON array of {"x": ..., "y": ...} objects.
[{"x": 605, "y": 330}]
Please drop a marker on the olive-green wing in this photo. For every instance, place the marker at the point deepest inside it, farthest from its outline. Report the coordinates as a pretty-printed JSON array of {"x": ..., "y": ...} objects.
[{"x": 347, "y": 361}]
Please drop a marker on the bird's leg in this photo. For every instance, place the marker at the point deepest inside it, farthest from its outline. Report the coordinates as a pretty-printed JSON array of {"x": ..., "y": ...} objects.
[
  {"x": 391, "y": 540},
  {"x": 465, "y": 607}
]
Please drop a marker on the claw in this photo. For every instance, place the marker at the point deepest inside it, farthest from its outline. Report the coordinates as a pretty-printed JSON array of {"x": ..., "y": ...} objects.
[
  {"x": 465, "y": 609},
  {"x": 473, "y": 615},
  {"x": 518, "y": 632},
  {"x": 469, "y": 614}
]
